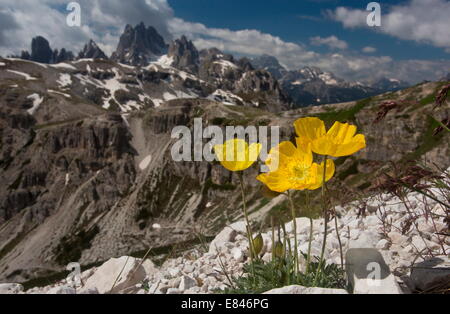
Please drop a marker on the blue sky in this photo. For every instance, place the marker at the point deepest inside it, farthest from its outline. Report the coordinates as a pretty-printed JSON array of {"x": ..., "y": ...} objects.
[
  {"x": 299, "y": 20},
  {"x": 413, "y": 43}
]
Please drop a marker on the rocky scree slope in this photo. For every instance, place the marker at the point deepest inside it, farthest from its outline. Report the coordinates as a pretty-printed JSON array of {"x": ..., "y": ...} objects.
[{"x": 206, "y": 270}]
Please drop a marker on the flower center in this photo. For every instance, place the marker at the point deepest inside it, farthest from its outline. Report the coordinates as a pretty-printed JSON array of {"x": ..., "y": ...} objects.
[{"x": 300, "y": 173}]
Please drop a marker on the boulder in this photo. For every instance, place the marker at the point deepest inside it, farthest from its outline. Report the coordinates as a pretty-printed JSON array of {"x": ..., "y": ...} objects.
[
  {"x": 10, "y": 288},
  {"x": 304, "y": 290},
  {"x": 128, "y": 272},
  {"x": 62, "y": 290},
  {"x": 368, "y": 273},
  {"x": 383, "y": 244},
  {"x": 88, "y": 291},
  {"x": 431, "y": 274},
  {"x": 228, "y": 234},
  {"x": 303, "y": 224},
  {"x": 238, "y": 255}
]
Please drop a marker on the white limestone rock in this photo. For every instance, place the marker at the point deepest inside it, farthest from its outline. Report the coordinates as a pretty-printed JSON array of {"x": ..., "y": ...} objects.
[
  {"x": 304, "y": 290},
  {"x": 127, "y": 270},
  {"x": 11, "y": 288}
]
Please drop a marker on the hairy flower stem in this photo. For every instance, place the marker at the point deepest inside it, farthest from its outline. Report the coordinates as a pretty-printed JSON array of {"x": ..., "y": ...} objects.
[
  {"x": 325, "y": 214},
  {"x": 294, "y": 222},
  {"x": 249, "y": 228},
  {"x": 311, "y": 230},
  {"x": 308, "y": 260},
  {"x": 247, "y": 221},
  {"x": 341, "y": 251},
  {"x": 273, "y": 237}
]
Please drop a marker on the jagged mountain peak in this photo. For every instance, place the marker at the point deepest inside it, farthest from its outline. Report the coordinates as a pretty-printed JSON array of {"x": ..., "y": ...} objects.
[
  {"x": 139, "y": 45},
  {"x": 270, "y": 64},
  {"x": 42, "y": 52},
  {"x": 92, "y": 51},
  {"x": 184, "y": 54}
]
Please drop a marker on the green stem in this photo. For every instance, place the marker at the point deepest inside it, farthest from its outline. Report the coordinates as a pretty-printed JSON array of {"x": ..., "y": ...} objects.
[
  {"x": 308, "y": 257},
  {"x": 294, "y": 222},
  {"x": 325, "y": 210},
  {"x": 247, "y": 221},
  {"x": 341, "y": 251},
  {"x": 325, "y": 214},
  {"x": 249, "y": 228},
  {"x": 273, "y": 238}
]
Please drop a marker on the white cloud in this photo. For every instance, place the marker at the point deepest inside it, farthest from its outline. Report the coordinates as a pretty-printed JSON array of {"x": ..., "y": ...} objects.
[
  {"x": 369, "y": 49},
  {"x": 332, "y": 42},
  {"x": 350, "y": 66},
  {"x": 425, "y": 21},
  {"x": 104, "y": 21}
]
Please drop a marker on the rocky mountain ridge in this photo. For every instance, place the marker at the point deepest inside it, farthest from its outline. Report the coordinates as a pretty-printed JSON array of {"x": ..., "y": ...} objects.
[{"x": 141, "y": 45}]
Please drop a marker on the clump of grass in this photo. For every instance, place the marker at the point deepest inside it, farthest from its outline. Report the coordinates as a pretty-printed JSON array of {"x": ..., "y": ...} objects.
[{"x": 281, "y": 272}]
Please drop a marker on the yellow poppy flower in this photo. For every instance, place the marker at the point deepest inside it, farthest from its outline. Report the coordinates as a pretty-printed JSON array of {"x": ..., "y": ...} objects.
[
  {"x": 339, "y": 141},
  {"x": 237, "y": 155},
  {"x": 292, "y": 168}
]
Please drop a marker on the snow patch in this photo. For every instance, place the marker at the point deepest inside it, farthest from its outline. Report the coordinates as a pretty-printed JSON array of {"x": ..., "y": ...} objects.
[
  {"x": 64, "y": 80},
  {"x": 2, "y": 64},
  {"x": 84, "y": 60},
  {"x": 225, "y": 97},
  {"x": 146, "y": 162},
  {"x": 328, "y": 79},
  {"x": 25, "y": 75},
  {"x": 63, "y": 66},
  {"x": 225, "y": 65},
  {"x": 59, "y": 93},
  {"x": 130, "y": 67},
  {"x": 157, "y": 102},
  {"x": 165, "y": 60},
  {"x": 156, "y": 226},
  {"x": 113, "y": 85},
  {"x": 168, "y": 96},
  {"x": 37, "y": 101}
]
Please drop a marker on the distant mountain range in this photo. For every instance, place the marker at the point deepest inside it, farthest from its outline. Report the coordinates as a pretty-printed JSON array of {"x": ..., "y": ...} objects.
[
  {"x": 310, "y": 86},
  {"x": 141, "y": 45}
]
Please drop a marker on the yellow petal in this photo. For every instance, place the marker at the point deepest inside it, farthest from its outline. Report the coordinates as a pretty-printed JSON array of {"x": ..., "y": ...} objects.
[
  {"x": 254, "y": 151},
  {"x": 354, "y": 145},
  {"x": 324, "y": 146},
  {"x": 234, "y": 155},
  {"x": 280, "y": 154},
  {"x": 310, "y": 129},
  {"x": 317, "y": 180},
  {"x": 275, "y": 181},
  {"x": 341, "y": 133}
]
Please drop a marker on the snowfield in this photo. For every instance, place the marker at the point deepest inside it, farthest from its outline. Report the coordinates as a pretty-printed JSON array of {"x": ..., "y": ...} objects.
[{"x": 37, "y": 101}]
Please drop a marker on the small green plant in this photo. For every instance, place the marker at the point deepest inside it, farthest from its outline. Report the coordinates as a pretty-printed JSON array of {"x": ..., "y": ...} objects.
[{"x": 281, "y": 272}]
